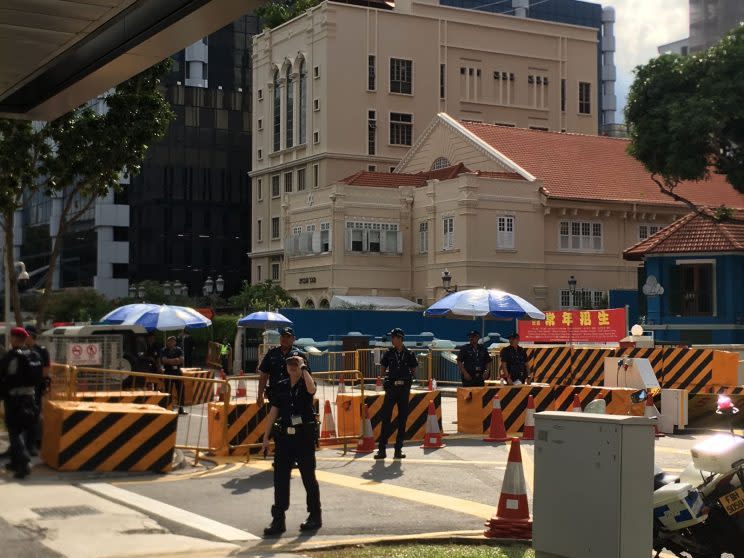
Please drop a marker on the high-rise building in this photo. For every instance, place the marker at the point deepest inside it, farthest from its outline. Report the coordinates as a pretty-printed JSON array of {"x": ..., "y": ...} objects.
[{"x": 709, "y": 21}]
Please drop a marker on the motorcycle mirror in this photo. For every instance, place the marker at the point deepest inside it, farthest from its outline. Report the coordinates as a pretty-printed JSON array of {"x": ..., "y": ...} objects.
[{"x": 639, "y": 396}]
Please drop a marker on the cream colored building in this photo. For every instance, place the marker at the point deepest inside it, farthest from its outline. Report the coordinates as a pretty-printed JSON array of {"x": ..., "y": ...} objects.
[
  {"x": 500, "y": 207},
  {"x": 345, "y": 88}
]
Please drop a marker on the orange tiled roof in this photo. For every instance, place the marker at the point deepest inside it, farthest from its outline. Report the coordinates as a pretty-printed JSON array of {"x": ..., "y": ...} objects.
[
  {"x": 693, "y": 233},
  {"x": 384, "y": 179},
  {"x": 579, "y": 167}
]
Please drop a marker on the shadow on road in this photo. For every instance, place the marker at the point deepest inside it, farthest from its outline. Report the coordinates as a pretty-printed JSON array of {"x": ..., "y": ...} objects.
[
  {"x": 380, "y": 472},
  {"x": 259, "y": 481}
]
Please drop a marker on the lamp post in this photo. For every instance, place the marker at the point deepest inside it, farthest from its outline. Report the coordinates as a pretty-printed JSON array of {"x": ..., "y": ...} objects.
[
  {"x": 447, "y": 282},
  {"x": 132, "y": 291},
  {"x": 208, "y": 287},
  {"x": 22, "y": 281},
  {"x": 219, "y": 285}
]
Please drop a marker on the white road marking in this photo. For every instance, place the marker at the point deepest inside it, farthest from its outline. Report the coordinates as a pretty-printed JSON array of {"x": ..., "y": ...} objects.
[{"x": 171, "y": 513}]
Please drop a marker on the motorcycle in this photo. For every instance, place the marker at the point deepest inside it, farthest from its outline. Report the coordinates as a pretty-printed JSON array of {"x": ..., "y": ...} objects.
[{"x": 708, "y": 520}]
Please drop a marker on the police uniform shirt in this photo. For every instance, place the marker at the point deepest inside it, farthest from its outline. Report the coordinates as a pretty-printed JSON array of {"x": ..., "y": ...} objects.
[
  {"x": 399, "y": 363},
  {"x": 175, "y": 352},
  {"x": 274, "y": 363},
  {"x": 43, "y": 354},
  {"x": 474, "y": 359},
  {"x": 516, "y": 361},
  {"x": 17, "y": 370},
  {"x": 293, "y": 401}
]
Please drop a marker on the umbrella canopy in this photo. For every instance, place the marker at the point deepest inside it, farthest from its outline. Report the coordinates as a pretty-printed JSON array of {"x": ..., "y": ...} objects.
[
  {"x": 264, "y": 320},
  {"x": 121, "y": 313},
  {"x": 167, "y": 318},
  {"x": 489, "y": 304}
]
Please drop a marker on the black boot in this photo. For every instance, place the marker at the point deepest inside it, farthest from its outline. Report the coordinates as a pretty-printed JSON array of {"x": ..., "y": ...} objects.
[
  {"x": 399, "y": 454},
  {"x": 278, "y": 525},
  {"x": 381, "y": 453},
  {"x": 313, "y": 522}
]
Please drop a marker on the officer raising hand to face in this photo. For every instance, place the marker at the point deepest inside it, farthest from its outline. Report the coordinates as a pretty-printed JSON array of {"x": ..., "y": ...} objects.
[{"x": 273, "y": 367}]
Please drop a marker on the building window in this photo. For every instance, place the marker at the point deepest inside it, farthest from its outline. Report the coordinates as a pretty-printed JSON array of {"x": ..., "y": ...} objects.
[
  {"x": 274, "y": 228},
  {"x": 260, "y": 154},
  {"x": 316, "y": 176},
  {"x": 585, "y": 97},
  {"x": 692, "y": 289},
  {"x": 442, "y": 76},
  {"x": 372, "y": 168},
  {"x": 259, "y": 277},
  {"x": 580, "y": 236},
  {"x": 289, "y": 121},
  {"x": 371, "y": 132},
  {"x": 259, "y": 94},
  {"x": 316, "y": 72},
  {"x": 401, "y": 76},
  {"x": 316, "y": 105},
  {"x": 275, "y": 186},
  {"x": 277, "y": 113},
  {"x": 448, "y": 231},
  {"x": 302, "y": 125},
  {"x": 644, "y": 231},
  {"x": 392, "y": 169},
  {"x": 401, "y": 128},
  {"x": 275, "y": 272},
  {"x": 259, "y": 230},
  {"x": 288, "y": 182},
  {"x": 259, "y": 189},
  {"x": 373, "y": 237},
  {"x": 424, "y": 237},
  {"x": 325, "y": 237},
  {"x": 316, "y": 137},
  {"x": 584, "y": 299},
  {"x": 563, "y": 95},
  {"x": 505, "y": 232},
  {"x": 260, "y": 124},
  {"x": 371, "y": 70},
  {"x": 440, "y": 163},
  {"x": 300, "y": 180}
]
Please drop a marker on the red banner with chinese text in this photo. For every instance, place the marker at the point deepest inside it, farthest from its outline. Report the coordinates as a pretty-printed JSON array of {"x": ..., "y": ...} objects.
[{"x": 571, "y": 326}]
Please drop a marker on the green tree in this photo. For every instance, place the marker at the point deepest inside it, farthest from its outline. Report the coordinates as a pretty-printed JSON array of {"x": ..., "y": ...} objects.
[
  {"x": 277, "y": 12},
  {"x": 21, "y": 150},
  {"x": 685, "y": 116},
  {"x": 263, "y": 296},
  {"x": 77, "y": 305}
]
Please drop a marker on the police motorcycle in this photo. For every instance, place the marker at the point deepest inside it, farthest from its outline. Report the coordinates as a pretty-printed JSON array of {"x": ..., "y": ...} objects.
[{"x": 708, "y": 520}]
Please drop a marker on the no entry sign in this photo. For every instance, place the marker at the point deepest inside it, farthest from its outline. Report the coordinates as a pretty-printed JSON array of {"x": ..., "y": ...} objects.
[{"x": 84, "y": 354}]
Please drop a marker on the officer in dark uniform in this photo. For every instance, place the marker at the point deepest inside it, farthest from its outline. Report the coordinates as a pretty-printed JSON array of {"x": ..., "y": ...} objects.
[
  {"x": 46, "y": 363},
  {"x": 473, "y": 360},
  {"x": 20, "y": 373},
  {"x": 171, "y": 359},
  {"x": 398, "y": 365},
  {"x": 273, "y": 367},
  {"x": 294, "y": 427},
  {"x": 514, "y": 365}
]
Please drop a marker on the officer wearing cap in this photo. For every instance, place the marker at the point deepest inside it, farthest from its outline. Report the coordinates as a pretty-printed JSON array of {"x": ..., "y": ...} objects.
[
  {"x": 43, "y": 354},
  {"x": 273, "y": 367},
  {"x": 473, "y": 360},
  {"x": 398, "y": 365},
  {"x": 293, "y": 424},
  {"x": 514, "y": 366},
  {"x": 20, "y": 373}
]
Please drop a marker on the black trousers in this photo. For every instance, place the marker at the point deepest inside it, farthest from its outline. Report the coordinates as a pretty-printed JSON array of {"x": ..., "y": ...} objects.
[
  {"x": 178, "y": 384},
  {"x": 289, "y": 449},
  {"x": 394, "y": 395},
  {"x": 20, "y": 414}
]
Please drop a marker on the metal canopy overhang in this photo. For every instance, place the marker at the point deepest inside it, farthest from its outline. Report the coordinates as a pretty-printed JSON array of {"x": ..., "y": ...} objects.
[{"x": 57, "y": 54}]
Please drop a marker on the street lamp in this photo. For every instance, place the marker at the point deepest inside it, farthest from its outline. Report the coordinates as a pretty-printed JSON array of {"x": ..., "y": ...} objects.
[
  {"x": 219, "y": 285},
  {"x": 208, "y": 287},
  {"x": 167, "y": 288},
  {"x": 132, "y": 291},
  {"x": 141, "y": 291},
  {"x": 22, "y": 281},
  {"x": 177, "y": 286},
  {"x": 447, "y": 282}
]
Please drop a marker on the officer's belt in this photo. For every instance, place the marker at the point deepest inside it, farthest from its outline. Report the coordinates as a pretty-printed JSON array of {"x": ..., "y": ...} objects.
[{"x": 21, "y": 391}]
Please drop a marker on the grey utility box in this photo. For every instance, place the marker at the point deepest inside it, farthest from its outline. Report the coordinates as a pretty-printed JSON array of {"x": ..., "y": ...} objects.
[{"x": 593, "y": 493}]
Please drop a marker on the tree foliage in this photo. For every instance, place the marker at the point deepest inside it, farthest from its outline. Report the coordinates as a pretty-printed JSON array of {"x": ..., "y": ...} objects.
[
  {"x": 78, "y": 305},
  {"x": 262, "y": 296},
  {"x": 278, "y": 12},
  {"x": 685, "y": 116}
]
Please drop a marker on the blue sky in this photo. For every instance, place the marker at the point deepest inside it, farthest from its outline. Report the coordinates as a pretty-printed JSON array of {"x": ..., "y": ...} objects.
[{"x": 640, "y": 27}]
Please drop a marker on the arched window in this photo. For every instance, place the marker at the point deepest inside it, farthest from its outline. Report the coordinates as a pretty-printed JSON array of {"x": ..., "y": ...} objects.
[
  {"x": 289, "y": 122},
  {"x": 277, "y": 112},
  {"x": 324, "y": 303},
  {"x": 309, "y": 303},
  {"x": 440, "y": 163},
  {"x": 303, "y": 103}
]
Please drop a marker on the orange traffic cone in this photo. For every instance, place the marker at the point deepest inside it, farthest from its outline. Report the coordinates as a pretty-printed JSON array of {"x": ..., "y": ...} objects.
[
  {"x": 576, "y": 405},
  {"x": 378, "y": 384},
  {"x": 366, "y": 443},
  {"x": 341, "y": 385},
  {"x": 529, "y": 420},
  {"x": 431, "y": 384},
  {"x": 512, "y": 519},
  {"x": 241, "y": 390},
  {"x": 328, "y": 429},
  {"x": 497, "y": 432},
  {"x": 220, "y": 395},
  {"x": 652, "y": 414},
  {"x": 433, "y": 436}
]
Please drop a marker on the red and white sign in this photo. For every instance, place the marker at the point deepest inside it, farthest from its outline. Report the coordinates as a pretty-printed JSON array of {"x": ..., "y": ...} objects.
[
  {"x": 570, "y": 326},
  {"x": 84, "y": 354}
]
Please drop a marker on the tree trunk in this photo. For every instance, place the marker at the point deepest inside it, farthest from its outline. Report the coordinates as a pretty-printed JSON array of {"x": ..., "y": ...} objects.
[
  {"x": 8, "y": 219},
  {"x": 49, "y": 280}
]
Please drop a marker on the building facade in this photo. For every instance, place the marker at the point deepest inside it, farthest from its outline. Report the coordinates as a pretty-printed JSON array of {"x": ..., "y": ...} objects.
[
  {"x": 508, "y": 208},
  {"x": 709, "y": 21},
  {"x": 344, "y": 87}
]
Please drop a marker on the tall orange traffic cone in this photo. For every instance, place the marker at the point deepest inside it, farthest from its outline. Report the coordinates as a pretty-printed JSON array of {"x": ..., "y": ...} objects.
[
  {"x": 241, "y": 390},
  {"x": 497, "y": 432},
  {"x": 529, "y": 420},
  {"x": 341, "y": 385},
  {"x": 431, "y": 384},
  {"x": 512, "y": 519},
  {"x": 378, "y": 384},
  {"x": 366, "y": 443},
  {"x": 328, "y": 428},
  {"x": 433, "y": 436},
  {"x": 576, "y": 408},
  {"x": 651, "y": 414}
]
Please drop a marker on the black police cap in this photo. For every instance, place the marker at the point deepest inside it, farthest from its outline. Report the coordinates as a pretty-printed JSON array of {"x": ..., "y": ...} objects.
[
  {"x": 473, "y": 332},
  {"x": 286, "y": 331},
  {"x": 397, "y": 332},
  {"x": 514, "y": 335}
]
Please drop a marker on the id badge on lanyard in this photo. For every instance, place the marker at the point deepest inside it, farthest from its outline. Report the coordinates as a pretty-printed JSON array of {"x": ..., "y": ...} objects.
[{"x": 295, "y": 419}]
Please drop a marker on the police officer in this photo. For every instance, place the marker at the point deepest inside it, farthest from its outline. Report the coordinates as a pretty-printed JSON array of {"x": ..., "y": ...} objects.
[
  {"x": 473, "y": 360},
  {"x": 514, "y": 366},
  {"x": 293, "y": 424},
  {"x": 43, "y": 354},
  {"x": 274, "y": 364},
  {"x": 225, "y": 354},
  {"x": 172, "y": 359},
  {"x": 20, "y": 373},
  {"x": 398, "y": 365}
]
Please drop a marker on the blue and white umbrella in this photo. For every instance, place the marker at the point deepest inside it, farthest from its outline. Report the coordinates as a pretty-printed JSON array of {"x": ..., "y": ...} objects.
[
  {"x": 167, "y": 318},
  {"x": 121, "y": 313},
  {"x": 488, "y": 304},
  {"x": 264, "y": 320}
]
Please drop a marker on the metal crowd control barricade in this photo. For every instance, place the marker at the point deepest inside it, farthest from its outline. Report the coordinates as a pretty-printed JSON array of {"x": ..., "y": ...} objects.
[
  {"x": 332, "y": 361},
  {"x": 144, "y": 388},
  {"x": 60, "y": 386}
]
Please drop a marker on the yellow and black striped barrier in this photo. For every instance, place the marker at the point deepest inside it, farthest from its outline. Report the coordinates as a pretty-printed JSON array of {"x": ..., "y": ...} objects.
[
  {"x": 690, "y": 369},
  {"x": 474, "y": 406},
  {"x": 138, "y": 397},
  {"x": 550, "y": 365},
  {"x": 197, "y": 393},
  {"x": 587, "y": 366},
  {"x": 91, "y": 436},
  {"x": 617, "y": 400}
]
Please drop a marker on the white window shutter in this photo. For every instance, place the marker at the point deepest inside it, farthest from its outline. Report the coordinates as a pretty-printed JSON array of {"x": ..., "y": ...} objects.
[
  {"x": 330, "y": 239},
  {"x": 383, "y": 242},
  {"x": 348, "y": 239},
  {"x": 399, "y": 238},
  {"x": 365, "y": 240},
  {"x": 316, "y": 241}
]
